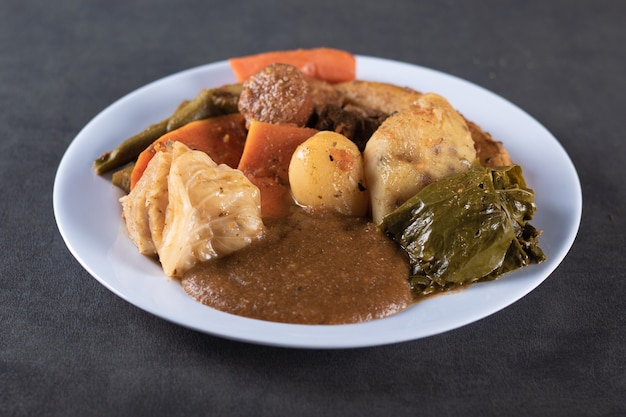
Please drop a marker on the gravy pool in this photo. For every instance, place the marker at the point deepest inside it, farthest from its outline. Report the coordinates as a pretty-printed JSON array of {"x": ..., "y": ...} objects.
[{"x": 309, "y": 269}]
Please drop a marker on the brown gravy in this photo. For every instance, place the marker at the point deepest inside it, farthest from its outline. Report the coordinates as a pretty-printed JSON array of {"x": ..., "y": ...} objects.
[{"x": 309, "y": 269}]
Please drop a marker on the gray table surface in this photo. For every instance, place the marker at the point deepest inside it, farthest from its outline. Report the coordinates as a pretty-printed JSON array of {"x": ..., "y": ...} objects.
[{"x": 68, "y": 346}]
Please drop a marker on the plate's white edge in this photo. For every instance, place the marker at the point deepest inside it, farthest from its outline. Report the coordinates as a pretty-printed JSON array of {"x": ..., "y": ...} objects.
[{"x": 322, "y": 336}]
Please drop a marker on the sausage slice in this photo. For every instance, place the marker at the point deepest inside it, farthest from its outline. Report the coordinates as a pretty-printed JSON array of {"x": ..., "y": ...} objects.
[{"x": 279, "y": 93}]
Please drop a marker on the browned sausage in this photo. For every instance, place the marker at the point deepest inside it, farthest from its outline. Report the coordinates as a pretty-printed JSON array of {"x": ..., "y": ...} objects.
[{"x": 279, "y": 93}]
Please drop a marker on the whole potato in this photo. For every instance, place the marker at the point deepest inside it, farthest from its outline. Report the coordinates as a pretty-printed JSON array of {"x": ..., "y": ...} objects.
[
  {"x": 413, "y": 148},
  {"x": 326, "y": 172}
]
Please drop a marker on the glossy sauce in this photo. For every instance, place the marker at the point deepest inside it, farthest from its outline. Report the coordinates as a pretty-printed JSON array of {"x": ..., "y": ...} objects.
[{"x": 309, "y": 269}]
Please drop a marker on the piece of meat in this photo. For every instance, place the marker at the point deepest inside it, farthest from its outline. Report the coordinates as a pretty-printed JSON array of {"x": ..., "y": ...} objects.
[
  {"x": 279, "y": 93},
  {"x": 490, "y": 152},
  {"x": 334, "y": 112},
  {"x": 383, "y": 97},
  {"x": 324, "y": 94},
  {"x": 355, "y": 123}
]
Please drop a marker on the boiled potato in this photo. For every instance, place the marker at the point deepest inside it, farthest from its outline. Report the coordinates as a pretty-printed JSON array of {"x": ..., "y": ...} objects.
[
  {"x": 413, "y": 148},
  {"x": 326, "y": 172}
]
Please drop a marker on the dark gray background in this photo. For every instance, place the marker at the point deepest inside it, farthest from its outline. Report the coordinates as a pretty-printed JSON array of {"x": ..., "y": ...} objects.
[{"x": 68, "y": 346}]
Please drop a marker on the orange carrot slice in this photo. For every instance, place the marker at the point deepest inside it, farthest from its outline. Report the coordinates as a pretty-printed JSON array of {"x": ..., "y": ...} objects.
[
  {"x": 265, "y": 161},
  {"x": 326, "y": 64},
  {"x": 221, "y": 137}
]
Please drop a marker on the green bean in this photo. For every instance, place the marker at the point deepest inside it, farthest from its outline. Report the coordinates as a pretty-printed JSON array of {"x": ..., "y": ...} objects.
[
  {"x": 128, "y": 150},
  {"x": 207, "y": 103},
  {"x": 121, "y": 177}
]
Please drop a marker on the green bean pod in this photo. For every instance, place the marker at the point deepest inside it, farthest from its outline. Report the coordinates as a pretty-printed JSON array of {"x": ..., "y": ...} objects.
[
  {"x": 207, "y": 103},
  {"x": 128, "y": 150},
  {"x": 121, "y": 178}
]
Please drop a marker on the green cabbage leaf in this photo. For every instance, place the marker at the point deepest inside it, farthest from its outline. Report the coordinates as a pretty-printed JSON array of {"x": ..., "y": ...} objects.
[{"x": 469, "y": 227}]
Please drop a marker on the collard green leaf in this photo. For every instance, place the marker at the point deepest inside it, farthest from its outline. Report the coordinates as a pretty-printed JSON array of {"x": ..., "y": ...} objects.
[{"x": 468, "y": 227}]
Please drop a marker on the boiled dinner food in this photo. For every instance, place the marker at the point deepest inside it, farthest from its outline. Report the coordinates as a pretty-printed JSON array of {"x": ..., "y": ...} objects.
[{"x": 300, "y": 194}]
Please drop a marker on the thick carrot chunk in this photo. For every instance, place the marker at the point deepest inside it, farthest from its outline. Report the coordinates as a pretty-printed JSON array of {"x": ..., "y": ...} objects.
[
  {"x": 265, "y": 161},
  {"x": 221, "y": 137}
]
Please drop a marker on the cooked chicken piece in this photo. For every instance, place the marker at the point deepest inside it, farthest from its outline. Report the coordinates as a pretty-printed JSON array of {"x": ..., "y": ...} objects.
[
  {"x": 324, "y": 94},
  {"x": 414, "y": 148},
  {"x": 382, "y": 97},
  {"x": 490, "y": 153},
  {"x": 279, "y": 93}
]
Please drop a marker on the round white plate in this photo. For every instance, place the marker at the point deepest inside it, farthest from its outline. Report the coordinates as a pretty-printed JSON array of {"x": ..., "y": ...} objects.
[{"x": 87, "y": 212}]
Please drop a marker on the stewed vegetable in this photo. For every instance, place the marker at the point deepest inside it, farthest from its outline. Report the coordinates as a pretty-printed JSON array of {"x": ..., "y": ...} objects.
[{"x": 465, "y": 228}]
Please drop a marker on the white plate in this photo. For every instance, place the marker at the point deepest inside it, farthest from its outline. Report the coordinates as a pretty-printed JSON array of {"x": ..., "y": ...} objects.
[{"x": 88, "y": 214}]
